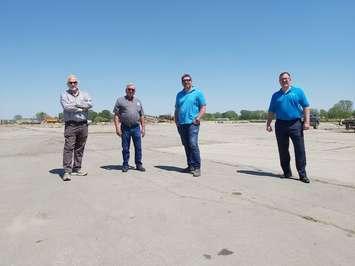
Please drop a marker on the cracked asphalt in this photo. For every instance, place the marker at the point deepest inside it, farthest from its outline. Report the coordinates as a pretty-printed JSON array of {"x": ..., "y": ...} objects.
[{"x": 239, "y": 212}]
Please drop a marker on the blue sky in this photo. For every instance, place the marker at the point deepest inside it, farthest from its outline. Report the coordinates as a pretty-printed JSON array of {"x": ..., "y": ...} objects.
[{"x": 234, "y": 51}]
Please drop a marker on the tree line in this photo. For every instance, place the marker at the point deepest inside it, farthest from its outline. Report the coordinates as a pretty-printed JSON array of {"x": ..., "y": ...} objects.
[{"x": 340, "y": 110}]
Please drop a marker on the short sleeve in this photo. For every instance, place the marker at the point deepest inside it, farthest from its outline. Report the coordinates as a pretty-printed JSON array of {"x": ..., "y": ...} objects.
[
  {"x": 303, "y": 99},
  {"x": 116, "y": 109},
  {"x": 201, "y": 99},
  {"x": 272, "y": 104},
  {"x": 141, "y": 111}
]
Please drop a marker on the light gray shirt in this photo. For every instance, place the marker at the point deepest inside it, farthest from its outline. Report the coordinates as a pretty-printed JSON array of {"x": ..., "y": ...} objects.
[
  {"x": 75, "y": 108},
  {"x": 129, "y": 112}
]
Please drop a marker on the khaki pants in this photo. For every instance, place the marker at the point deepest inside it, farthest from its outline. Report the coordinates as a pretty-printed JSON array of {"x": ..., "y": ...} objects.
[{"x": 75, "y": 140}]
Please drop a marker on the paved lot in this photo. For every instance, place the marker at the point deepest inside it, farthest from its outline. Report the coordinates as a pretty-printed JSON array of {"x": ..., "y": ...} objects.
[{"x": 239, "y": 212}]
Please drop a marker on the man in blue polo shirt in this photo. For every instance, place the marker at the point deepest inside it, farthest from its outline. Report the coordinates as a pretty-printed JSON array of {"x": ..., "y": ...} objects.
[
  {"x": 190, "y": 106},
  {"x": 290, "y": 104}
]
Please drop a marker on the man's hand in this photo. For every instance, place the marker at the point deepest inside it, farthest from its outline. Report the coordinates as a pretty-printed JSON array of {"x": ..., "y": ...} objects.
[
  {"x": 81, "y": 108},
  {"x": 197, "y": 121},
  {"x": 119, "y": 132},
  {"x": 306, "y": 125},
  {"x": 268, "y": 128},
  {"x": 143, "y": 132}
]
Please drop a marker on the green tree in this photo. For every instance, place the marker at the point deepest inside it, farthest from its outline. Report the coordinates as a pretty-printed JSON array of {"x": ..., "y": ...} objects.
[
  {"x": 245, "y": 115},
  {"x": 40, "y": 116},
  {"x": 217, "y": 115},
  {"x": 99, "y": 119},
  {"x": 61, "y": 116},
  {"x": 17, "y": 117},
  {"x": 208, "y": 117},
  {"x": 323, "y": 114},
  {"x": 92, "y": 115},
  {"x": 341, "y": 109},
  {"x": 259, "y": 115},
  {"x": 106, "y": 115},
  {"x": 230, "y": 115}
]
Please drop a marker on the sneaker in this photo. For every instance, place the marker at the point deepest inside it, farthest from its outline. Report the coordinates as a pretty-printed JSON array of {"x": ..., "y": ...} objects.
[
  {"x": 66, "y": 177},
  {"x": 196, "y": 172},
  {"x": 305, "y": 179},
  {"x": 188, "y": 169},
  {"x": 140, "y": 168},
  {"x": 79, "y": 173},
  {"x": 124, "y": 168}
]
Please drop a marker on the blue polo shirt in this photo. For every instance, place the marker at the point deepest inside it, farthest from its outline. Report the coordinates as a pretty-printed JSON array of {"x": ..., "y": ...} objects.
[
  {"x": 288, "y": 105},
  {"x": 188, "y": 105}
]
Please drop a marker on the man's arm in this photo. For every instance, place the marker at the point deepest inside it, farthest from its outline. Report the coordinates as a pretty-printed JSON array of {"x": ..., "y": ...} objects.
[
  {"x": 67, "y": 105},
  {"x": 270, "y": 117},
  {"x": 117, "y": 122},
  {"x": 306, "y": 115},
  {"x": 85, "y": 103},
  {"x": 142, "y": 125},
  {"x": 176, "y": 114},
  {"x": 200, "y": 115}
]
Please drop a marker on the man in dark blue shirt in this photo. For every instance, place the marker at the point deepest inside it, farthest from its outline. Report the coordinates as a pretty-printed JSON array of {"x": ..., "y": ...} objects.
[{"x": 290, "y": 104}]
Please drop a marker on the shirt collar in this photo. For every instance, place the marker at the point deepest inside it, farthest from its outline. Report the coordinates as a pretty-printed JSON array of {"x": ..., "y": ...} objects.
[
  {"x": 289, "y": 90},
  {"x": 191, "y": 90},
  {"x": 71, "y": 93}
]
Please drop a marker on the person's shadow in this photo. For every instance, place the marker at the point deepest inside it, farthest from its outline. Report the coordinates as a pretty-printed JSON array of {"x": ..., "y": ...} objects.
[
  {"x": 262, "y": 173},
  {"x": 170, "y": 168},
  {"x": 111, "y": 167},
  {"x": 57, "y": 171},
  {"x": 258, "y": 173}
]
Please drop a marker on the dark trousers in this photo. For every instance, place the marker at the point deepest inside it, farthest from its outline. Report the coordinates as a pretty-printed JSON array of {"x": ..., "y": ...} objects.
[
  {"x": 284, "y": 131},
  {"x": 75, "y": 139},
  {"x": 135, "y": 134},
  {"x": 189, "y": 138}
]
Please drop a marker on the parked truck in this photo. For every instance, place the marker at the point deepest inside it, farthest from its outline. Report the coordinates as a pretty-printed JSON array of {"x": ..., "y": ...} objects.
[
  {"x": 314, "y": 121},
  {"x": 349, "y": 123}
]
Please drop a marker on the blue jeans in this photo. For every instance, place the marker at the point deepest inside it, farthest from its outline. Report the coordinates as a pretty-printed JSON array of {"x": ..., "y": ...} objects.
[
  {"x": 284, "y": 131},
  {"x": 135, "y": 134},
  {"x": 189, "y": 138}
]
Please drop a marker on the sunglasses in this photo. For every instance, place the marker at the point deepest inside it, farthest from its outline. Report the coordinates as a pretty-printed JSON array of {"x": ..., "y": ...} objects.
[
  {"x": 185, "y": 80},
  {"x": 73, "y": 82},
  {"x": 131, "y": 89}
]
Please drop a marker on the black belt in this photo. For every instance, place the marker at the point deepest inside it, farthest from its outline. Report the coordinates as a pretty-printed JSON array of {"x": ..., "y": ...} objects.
[
  {"x": 76, "y": 123},
  {"x": 289, "y": 121},
  {"x": 131, "y": 126}
]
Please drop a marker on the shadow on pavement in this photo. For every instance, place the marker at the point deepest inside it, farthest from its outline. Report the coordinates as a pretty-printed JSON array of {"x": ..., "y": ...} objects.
[
  {"x": 258, "y": 173},
  {"x": 111, "y": 167},
  {"x": 261, "y": 173},
  {"x": 170, "y": 168},
  {"x": 57, "y": 171}
]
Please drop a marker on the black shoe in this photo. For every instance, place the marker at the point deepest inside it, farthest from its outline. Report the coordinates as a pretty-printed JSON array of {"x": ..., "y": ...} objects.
[
  {"x": 196, "y": 172},
  {"x": 287, "y": 175},
  {"x": 304, "y": 179},
  {"x": 140, "y": 168},
  {"x": 188, "y": 169},
  {"x": 124, "y": 169}
]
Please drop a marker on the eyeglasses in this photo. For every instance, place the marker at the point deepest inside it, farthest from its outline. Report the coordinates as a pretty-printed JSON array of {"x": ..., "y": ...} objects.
[
  {"x": 72, "y": 82},
  {"x": 186, "y": 80},
  {"x": 131, "y": 89}
]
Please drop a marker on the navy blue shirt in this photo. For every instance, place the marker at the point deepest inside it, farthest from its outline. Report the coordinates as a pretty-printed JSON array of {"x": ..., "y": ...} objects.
[{"x": 288, "y": 105}]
